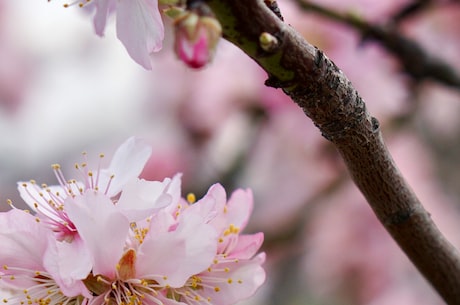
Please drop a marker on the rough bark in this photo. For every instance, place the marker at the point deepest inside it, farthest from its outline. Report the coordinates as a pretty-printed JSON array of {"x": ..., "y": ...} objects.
[{"x": 315, "y": 83}]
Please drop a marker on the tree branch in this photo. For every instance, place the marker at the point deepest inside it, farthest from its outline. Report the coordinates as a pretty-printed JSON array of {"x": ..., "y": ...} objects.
[
  {"x": 324, "y": 93},
  {"x": 414, "y": 59}
]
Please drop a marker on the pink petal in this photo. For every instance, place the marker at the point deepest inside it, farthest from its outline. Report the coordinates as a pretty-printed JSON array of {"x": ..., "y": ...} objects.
[
  {"x": 140, "y": 198},
  {"x": 68, "y": 263},
  {"x": 239, "y": 208},
  {"x": 209, "y": 205},
  {"x": 140, "y": 29},
  {"x": 247, "y": 246},
  {"x": 178, "y": 254},
  {"x": 102, "y": 227},
  {"x": 100, "y": 18},
  {"x": 23, "y": 240},
  {"x": 246, "y": 277}
]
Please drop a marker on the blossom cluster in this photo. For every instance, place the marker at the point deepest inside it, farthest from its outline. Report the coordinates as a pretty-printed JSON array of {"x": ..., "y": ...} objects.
[{"x": 113, "y": 238}]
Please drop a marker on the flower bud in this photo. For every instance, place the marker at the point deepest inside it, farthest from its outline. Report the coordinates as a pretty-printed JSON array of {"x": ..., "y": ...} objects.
[{"x": 196, "y": 38}]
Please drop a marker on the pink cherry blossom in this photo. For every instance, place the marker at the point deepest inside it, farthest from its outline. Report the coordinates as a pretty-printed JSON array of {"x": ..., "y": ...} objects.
[
  {"x": 135, "y": 260},
  {"x": 95, "y": 196},
  {"x": 116, "y": 239},
  {"x": 235, "y": 273}
]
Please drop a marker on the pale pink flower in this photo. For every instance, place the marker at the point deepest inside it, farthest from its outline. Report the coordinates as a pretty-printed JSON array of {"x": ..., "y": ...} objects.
[
  {"x": 136, "y": 260},
  {"x": 70, "y": 257},
  {"x": 235, "y": 273},
  {"x": 138, "y": 243}
]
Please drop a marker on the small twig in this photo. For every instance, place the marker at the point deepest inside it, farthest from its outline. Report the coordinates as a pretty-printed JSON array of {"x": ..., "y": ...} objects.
[
  {"x": 410, "y": 9},
  {"x": 414, "y": 59}
]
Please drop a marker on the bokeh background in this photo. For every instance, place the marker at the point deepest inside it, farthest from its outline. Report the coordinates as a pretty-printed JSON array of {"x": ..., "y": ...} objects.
[{"x": 63, "y": 90}]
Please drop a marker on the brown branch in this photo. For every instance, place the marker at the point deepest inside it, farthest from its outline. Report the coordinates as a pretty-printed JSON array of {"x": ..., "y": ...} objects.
[
  {"x": 324, "y": 93},
  {"x": 414, "y": 59}
]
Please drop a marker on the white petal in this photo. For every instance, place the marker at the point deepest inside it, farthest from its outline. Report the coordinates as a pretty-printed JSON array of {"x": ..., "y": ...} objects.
[
  {"x": 127, "y": 164},
  {"x": 140, "y": 198}
]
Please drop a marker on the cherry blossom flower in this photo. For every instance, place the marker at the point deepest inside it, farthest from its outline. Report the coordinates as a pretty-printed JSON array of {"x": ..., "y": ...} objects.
[
  {"x": 139, "y": 259},
  {"x": 235, "y": 273},
  {"x": 113, "y": 238},
  {"x": 52, "y": 204}
]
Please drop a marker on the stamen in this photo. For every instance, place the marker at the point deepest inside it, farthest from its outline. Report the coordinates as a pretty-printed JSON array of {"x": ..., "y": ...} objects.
[{"x": 191, "y": 198}]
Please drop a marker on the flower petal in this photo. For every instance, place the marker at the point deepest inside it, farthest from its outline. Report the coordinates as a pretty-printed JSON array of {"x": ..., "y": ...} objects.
[
  {"x": 140, "y": 29},
  {"x": 127, "y": 164},
  {"x": 239, "y": 208},
  {"x": 247, "y": 246},
  {"x": 140, "y": 198},
  {"x": 100, "y": 17},
  {"x": 176, "y": 255},
  {"x": 68, "y": 263},
  {"x": 241, "y": 281},
  {"x": 23, "y": 240},
  {"x": 102, "y": 227}
]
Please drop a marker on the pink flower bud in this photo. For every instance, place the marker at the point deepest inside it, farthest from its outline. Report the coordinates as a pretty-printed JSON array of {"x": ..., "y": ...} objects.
[{"x": 196, "y": 39}]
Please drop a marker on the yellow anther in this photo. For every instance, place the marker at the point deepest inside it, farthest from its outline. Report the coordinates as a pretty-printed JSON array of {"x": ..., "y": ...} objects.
[
  {"x": 191, "y": 198},
  {"x": 230, "y": 281},
  {"x": 216, "y": 289},
  {"x": 55, "y": 166}
]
